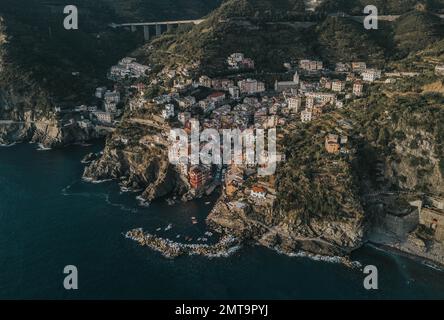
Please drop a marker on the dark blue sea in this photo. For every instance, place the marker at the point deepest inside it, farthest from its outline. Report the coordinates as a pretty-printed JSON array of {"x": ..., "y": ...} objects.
[{"x": 50, "y": 218}]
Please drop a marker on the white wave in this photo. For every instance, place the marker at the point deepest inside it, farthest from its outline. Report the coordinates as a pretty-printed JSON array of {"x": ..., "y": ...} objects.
[
  {"x": 143, "y": 202},
  {"x": 318, "y": 257},
  {"x": 7, "y": 145},
  {"x": 91, "y": 180}
]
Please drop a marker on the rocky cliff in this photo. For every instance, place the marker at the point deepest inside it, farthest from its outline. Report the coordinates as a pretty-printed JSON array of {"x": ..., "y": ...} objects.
[{"x": 136, "y": 155}]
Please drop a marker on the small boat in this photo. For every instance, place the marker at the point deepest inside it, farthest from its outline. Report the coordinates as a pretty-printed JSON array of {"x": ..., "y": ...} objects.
[
  {"x": 158, "y": 229},
  {"x": 169, "y": 227},
  {"x": 41, "y": 147}
]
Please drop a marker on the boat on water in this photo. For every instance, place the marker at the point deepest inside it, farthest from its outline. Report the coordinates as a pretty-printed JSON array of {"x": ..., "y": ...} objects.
[{"x": 41, "y": 147}]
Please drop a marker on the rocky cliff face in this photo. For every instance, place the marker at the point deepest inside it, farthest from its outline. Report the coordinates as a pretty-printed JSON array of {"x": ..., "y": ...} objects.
[
  {"x": 137, "y": 157},
  {"x": 418, "y": 165},
  {"x": 24, "y": 117},
  {"x": 275, "y": 229}
]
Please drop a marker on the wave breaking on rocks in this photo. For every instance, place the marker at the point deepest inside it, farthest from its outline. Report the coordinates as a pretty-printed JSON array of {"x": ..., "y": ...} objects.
[{"x": 226, "y": 246}]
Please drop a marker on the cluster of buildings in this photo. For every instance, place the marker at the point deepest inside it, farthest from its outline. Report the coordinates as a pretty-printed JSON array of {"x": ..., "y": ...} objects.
[
  {"x": 128, "y": 68},
  {"x": 336, "y": 144},
  {"x": 237, "y": 61},
  {"x": 234, "y": 89},
  {"x": 359, "y": 68},
  {"x": 240, "y": 102},
  {"x": 311, "y": 65},
  {"x": 102, "y": 113},
  {"x": 244, "y": 103}
]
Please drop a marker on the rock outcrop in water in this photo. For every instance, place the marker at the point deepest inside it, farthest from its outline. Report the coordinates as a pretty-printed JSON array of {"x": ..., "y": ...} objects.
[{"x": 226, "y": 246}]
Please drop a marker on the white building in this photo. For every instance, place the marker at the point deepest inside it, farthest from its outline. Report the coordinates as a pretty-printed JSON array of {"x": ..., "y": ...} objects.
[
  {"x": 205, "y": 81},
  {"x": 338, "y": 86},
  {"x": 371, "y": 75},
  {"x": 112, "y": 96},
  {"x": 306, "y": 116},
  {"x": 235, "y": 59},
  {"x": 186, "y": 102},
  {"x": 168, "y": 111},
  {"x": 321, "y": 97},
  {"x": 234, "y": 92},
  {"x": 439, "y": 70},
  {"x": 309, "y": 102},
  {"x": 294, "y": 104},
  {"x": 251, "y": 86},
  {"x": 358, "y": 88},
  {"x": 184, "y": 117},
  {"x": 339, "y": 104},
  {"x": 342, "y": 67},
  {"x": 311, "y": 65},
  {"x": 104, "y": 117},
  {"x": 110, "y": 106}
]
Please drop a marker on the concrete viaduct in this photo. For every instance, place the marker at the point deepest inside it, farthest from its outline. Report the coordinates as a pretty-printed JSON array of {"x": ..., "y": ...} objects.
[{"x": 157, "y": 26}]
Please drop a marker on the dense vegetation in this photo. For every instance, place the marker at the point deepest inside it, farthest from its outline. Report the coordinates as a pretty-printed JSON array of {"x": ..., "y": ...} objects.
[
  {"x": 415, "y": 31},
  {"x": 338, "y": 39},
  {"x": 386, "y": 7},
  {"x": 41, "y": 48}
]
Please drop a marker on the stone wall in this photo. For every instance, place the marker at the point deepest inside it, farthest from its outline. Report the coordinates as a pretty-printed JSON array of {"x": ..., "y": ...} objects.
[{"x": 402, "y": 225}]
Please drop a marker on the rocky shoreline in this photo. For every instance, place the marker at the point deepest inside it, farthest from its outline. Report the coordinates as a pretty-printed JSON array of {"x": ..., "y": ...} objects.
[
  {"x": 411, "y": 247},
  {"x": 47, "y": 133}
]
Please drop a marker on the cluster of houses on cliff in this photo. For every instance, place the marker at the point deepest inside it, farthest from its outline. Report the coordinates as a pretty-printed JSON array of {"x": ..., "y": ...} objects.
[
  {"x": 128, "y": 68},
  {"x": 238, "y": 102}
]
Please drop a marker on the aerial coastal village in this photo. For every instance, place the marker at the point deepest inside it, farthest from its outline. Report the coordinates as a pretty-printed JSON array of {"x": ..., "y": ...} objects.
[{"x": 357, "y": 126}]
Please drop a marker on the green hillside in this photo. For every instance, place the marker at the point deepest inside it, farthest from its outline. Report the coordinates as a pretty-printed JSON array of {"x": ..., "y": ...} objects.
[
  {"x": 41, "y": 48},
  {"x": 346, "y": 40},
  {"x": 415, "y": 31},
  {"x": 386, "y": 7},
  {"x": 237, "y": 26}
]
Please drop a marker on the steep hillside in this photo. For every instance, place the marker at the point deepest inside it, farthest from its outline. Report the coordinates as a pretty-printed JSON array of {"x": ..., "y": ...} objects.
[
  {"x": 415, "y": 31},
  {"x": 386, "y": 7},
  {"x": 401, "y": 124},
  {"x": 44, "y": 65},
  {"x": 237, "y": 26},
  {"x": 155, "y": 10},
  {"x": 338, "y": 39}
]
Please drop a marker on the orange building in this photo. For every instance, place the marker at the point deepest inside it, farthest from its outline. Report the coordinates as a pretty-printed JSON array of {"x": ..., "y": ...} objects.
[
  {"x": 332, "y": 143},
  {"x": 198, "y": 176}
]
